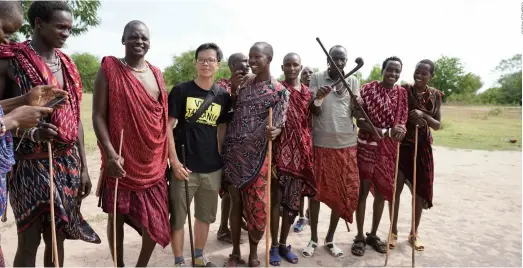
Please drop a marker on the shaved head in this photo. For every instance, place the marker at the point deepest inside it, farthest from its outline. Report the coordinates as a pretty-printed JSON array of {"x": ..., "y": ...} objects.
[
  {"x": 265, "y": 48},
  {"x": 131, "y": 25},
  {"x": 7, "y": 8},
  {"x": 11, "y": 19},
  {"x": 235, "y": 58},
  {"x": 291, "y": 56}
]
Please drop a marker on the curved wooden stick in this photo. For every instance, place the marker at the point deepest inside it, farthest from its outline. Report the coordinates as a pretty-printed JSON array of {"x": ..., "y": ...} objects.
[
  {"x": 115, "y": 199},
  {"x": 414, "y": 200},
  {"x": 55, "y": 258},
  {"x": 269, "y": 172},
  {"x": 393, "y": 202}
]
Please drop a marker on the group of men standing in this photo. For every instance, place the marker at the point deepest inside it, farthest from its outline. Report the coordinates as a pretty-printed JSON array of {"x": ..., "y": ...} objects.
[{"x": 212, "y": 139}]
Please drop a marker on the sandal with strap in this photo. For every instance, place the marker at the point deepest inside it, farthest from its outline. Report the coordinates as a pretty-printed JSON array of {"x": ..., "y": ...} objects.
[
  {"x": 286, "y": 253},
  {"x": 375, "y": 242},
  {"x": 300, "y": 225},
  {"x": 392, "y": 242},
  {"x": 274, "y": 258},
  {"x": 254, "y": 263},
  {"x": 358, "y": 247},
  {"x": 234, "y": 261},
  {"x": 309, "y": 249},
  {"x": 334, "y": 250},
  {"x": 416, "y": 243}
]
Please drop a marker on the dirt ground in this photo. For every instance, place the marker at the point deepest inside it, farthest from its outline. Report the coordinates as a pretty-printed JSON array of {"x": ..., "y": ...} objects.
[{"x": 475, "y": 221}]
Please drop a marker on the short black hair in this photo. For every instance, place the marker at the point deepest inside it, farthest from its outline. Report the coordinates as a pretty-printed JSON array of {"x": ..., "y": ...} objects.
[
  {"x": 267, "y": 48},
  {"x": 215, "y": 47},
  {"x": 7, "y": 8},
  {"x": 393, "y": 58},
  {"x": 233, "y": 58},
  {"x": 429, "y": 63},
  {"x": 44, "y": 10},
  {"x": 337, "y": 46}
]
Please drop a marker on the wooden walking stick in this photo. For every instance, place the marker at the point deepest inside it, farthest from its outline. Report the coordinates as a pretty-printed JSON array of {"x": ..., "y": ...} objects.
[
  {"x": 393, "y": 202},
  {"x": 55, "y": 258},
  {"x": 268, "y": 224},
  {"x": 413, "y": 228},
  {"x": 115, "y": 200},
  {"x": 189, "y": 216}
]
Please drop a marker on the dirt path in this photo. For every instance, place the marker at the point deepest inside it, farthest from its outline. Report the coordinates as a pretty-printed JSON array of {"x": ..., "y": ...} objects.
[{"x": 475, "y": 221}]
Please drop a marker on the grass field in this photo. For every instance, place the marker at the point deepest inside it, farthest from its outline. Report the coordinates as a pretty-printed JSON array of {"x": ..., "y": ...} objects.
[{"x": 466, "y": 127}]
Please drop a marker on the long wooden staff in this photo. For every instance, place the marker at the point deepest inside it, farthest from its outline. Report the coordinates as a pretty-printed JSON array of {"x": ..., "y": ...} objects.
[
  {"x": 393, "y": 201},
  {"x": 340, "y": 74},
  {"x": 115, "y": 200},
  {"x": 268, "y": 224},
  {"x": 55, "y": 258},
  {"x": 413, "y": 228},
  {"x": 189, "y": 215}
]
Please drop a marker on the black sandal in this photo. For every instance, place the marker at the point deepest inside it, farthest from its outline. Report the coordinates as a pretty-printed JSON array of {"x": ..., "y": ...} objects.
[
  {"x": 375, "y": 242},
  {"x": 358, "y": 247}
]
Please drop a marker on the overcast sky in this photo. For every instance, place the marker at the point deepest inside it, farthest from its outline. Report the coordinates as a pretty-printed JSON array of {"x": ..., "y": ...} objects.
[{"x": 480, "y": 32}]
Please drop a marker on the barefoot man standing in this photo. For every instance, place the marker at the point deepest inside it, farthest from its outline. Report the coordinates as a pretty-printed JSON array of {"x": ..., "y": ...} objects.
[
  {"x": 130, "y": 95},
  {"x": 245, "y": 147}
]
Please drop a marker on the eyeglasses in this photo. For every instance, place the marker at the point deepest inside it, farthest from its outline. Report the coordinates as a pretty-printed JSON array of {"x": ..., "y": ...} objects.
[{"x": 206, "y": 60}]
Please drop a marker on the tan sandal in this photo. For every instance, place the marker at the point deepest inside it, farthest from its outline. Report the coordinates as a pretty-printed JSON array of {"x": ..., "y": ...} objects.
[
  {"x": 416, "y": 243},
  {"x": 392, "y": 243}
]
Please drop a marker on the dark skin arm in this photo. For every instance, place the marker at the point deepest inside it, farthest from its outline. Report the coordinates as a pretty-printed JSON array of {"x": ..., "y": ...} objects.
[
  {"x": 315, "y": 110},
  {"x": 85, "y": 187},
  {"x": 432, "y": 122},
  {"x": 100, "y": 107}
]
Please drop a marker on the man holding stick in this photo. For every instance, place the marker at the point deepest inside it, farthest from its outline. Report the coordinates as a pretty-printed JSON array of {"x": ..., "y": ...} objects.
[
  {"x": 202, "y": 110},
  {"x": 35, "y": 62},
  {"x": 246, "y": 145},
  {"x": 130, "y": 95},
  {"x": 335, "y": 148},
  {"x": 294, "y": 176},
  {"x": 238, "y": 62},
  {"x": 386, "y": 106}
]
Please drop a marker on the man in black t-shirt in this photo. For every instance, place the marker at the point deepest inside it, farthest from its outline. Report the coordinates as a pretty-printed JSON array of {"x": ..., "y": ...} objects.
[{"x": 203, "y": 141}]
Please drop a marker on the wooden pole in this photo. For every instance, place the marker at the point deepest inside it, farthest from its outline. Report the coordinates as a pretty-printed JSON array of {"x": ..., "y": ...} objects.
[
  {"x": 55, "y": 258},
  {"x": 269, "y": 172},
  {"x": 413, "y": 230},
  {"x": 393, "y": 202},
  {"x": 115, "y": 200}
]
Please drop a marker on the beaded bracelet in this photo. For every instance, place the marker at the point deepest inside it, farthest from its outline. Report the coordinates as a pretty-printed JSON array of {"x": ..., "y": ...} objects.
[{"x": 3, "y": 129}]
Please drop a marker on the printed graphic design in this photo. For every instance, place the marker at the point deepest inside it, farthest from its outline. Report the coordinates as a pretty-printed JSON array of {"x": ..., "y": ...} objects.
[{"x": 209, "y": 117}]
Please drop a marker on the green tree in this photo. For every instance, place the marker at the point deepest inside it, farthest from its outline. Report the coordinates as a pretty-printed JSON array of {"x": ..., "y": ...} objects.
[
  {"x": 510, "y": 80},
  {"x": 469, "y": 83},
  {"x": 84, "y": 17},
  {"x": 184, "y": 69},
  {"x": 375, "y": 74},
  {"x": 447, "y": 75},
  {"x": 87, "y": 65}
]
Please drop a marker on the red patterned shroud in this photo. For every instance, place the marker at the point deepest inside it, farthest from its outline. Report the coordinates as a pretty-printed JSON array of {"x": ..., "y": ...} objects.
[
  {"x": 142, "y": 194},
  {"x": 386, "y": 108},
  {"x": 292, "y": 150},
  {"x": 67, "y": 119},
  {"x": 245, "y": 145}
]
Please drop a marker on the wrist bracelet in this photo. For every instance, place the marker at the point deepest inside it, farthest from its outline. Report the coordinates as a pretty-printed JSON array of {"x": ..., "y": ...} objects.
[
  {"x": 318, "y": 102},
  {"x": 389, "y": 132},
  {"x": 3, "y": 129},
  {"x": 31, "y": 134}
]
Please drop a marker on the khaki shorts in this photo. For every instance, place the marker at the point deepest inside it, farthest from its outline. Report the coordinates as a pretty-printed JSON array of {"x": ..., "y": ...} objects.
[{"x": 203, "y": 187}]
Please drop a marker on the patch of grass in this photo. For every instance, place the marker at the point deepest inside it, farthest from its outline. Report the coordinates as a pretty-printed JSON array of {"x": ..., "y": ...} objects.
[
  {"x": 480, "y": 127},
  {"x": 466, "y": 127},
  {"x": 86, "y": 114}
]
